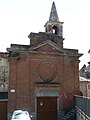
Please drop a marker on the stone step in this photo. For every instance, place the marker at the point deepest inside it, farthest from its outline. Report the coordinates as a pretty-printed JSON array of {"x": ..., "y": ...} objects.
[{"x": 70, "y": 115}]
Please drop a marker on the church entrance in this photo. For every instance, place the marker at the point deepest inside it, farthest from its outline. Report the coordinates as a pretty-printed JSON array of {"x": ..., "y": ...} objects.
[{"x": 46, "y": 108}]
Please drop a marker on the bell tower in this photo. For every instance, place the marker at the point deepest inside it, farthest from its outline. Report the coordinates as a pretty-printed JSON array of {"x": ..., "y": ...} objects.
[{"x": 54, "y": 25}]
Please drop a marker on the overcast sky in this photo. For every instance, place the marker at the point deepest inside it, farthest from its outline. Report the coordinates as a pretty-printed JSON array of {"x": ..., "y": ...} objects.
[{"x": 20, "y": 17}]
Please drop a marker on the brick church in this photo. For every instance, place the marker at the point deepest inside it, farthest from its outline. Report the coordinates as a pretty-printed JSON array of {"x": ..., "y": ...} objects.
[{"x": 44, "y": 76}]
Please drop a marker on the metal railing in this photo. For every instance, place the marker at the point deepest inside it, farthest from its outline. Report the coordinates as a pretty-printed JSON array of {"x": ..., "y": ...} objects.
[{"x": 83, "y": 103}]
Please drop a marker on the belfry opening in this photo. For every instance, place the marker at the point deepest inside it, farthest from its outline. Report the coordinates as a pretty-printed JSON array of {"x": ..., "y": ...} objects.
[{"x": 55, "y": 30}]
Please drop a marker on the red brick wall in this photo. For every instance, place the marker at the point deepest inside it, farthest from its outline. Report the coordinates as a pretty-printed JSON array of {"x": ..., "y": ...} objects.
[
  {"x": 71, "y": 80},
  {"x": 24, "y": 73}
]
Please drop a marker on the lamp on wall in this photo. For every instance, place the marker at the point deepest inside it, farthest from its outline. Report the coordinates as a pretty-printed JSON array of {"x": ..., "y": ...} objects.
[{"x": 12, "y": 90}]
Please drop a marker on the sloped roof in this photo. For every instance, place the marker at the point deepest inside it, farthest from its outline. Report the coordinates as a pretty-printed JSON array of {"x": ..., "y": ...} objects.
[
  {"x": 85, "y": 71},
  {"x": 82, "y": 79},
  {"x": 88, "y": 68}
]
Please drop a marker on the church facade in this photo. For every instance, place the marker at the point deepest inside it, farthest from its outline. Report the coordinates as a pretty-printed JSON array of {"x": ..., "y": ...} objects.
[{"x": 44, "y": 76}]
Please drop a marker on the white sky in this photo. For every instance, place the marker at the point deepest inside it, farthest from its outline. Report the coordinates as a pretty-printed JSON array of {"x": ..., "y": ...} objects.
[{"x": 20, "y": 17}]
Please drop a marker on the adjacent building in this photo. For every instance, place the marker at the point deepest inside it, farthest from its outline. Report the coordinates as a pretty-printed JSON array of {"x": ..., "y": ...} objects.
[
  {"x": 85, "y": 80},
  {"x": 4, "y": 80}
]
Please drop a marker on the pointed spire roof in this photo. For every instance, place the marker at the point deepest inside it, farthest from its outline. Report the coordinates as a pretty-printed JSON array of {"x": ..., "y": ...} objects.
[{"x": 53, "y": 14}]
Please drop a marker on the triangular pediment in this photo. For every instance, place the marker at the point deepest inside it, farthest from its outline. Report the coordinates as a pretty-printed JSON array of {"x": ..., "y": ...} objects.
[{"x": 46, "y": 46}]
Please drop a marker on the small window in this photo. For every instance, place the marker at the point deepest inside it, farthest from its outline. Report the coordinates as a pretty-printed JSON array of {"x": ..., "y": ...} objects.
[
  {"x": 3, "y": 95},
  {"x": 88, "y": 86}
]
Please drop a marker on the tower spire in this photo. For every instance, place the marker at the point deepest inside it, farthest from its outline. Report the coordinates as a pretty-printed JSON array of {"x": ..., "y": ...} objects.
[
  {"x": 53, "y": 14},
  {"x": 54, "y": 25}
]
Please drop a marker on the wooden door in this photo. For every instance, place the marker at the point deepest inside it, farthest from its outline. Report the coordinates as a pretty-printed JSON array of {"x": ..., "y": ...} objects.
[
  {"x": 46, "y": 108},
  {"x": 3, "y": 110}
]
